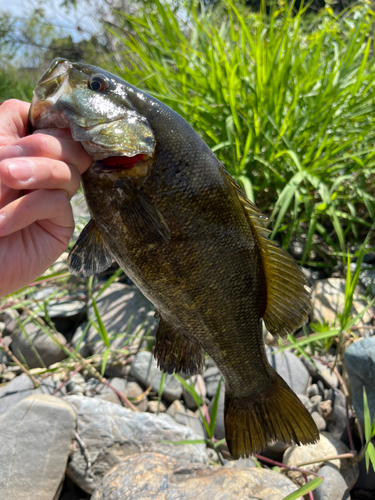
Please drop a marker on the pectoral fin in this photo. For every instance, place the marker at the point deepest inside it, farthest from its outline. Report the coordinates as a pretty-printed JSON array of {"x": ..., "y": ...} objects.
[
  {"x": 176, "y": 353},
  {"x": 89, "y": 255},
  {"x": 288, "y": 295},
  {"x": 142, "y": 219}
]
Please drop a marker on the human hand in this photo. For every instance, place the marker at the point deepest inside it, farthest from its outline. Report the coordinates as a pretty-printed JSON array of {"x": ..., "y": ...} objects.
[{"x": 39, "y": 174}]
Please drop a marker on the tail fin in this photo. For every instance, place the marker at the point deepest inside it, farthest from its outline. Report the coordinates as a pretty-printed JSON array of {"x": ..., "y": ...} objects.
[{"x": 278, "y": 414}]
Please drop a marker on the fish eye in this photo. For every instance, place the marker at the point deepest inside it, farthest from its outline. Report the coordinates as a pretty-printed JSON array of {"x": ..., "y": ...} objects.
[{"x": 98, "y": 83}]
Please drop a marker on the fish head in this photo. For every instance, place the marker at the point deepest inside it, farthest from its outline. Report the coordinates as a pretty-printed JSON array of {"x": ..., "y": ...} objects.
[{"x": 95, "y": 105}]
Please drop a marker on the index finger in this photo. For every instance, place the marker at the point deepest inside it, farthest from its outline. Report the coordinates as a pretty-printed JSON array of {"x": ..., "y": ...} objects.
[{"x": 13, "y": 121}]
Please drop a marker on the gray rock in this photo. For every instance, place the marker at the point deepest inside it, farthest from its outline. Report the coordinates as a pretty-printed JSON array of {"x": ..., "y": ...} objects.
[
  {"x": 211, "y": 377},
  {"x": 111, "y": 433},
  {"x": 144, "y": 369},
  {"x": 76, "y": 385},
  {"x": 130, "y": 390},
  {"x": 244, "y": 463},
  {"x": 337, "y": 417},
  {"x": 200, "y": 389},
  {"x": 36, "y": 348},
  {"x": 359, "y": 363},
  {"x": 153, "y": 475},
  {"x": 305, "y": 401},
  {"x": 321, "y": 372},
  {"x": 319, "y": 420},
  {"x": 313, "y": 390},
  {"x": 80, "y": 340},
  {"x": 65, "y": 312},
  {"x": 35, "y": 441},
  {"x": 21, "y": 387},
  {"x": 333, "y": 487},
  {"x": 290, "y": 368},
  {"x": 191, "y": 421},
  {"x": 122, "y": 307}
]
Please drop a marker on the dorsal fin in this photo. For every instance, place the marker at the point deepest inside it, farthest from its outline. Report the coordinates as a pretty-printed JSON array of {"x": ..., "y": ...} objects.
[{"x": 288, "y": 295}]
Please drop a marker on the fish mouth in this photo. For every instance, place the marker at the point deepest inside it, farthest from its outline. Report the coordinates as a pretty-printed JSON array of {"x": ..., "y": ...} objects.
[{"x": 137, "y": 166}]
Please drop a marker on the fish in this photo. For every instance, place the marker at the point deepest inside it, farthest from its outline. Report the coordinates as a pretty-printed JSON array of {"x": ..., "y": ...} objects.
[{"x": 168, "y": 212}]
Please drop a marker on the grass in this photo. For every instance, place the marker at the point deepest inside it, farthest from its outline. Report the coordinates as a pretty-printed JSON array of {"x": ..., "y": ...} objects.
[{"x": 285, "y": 101}]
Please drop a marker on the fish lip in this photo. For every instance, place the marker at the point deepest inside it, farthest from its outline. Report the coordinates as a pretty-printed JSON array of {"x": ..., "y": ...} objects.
[{"x": 54, "y": 70}]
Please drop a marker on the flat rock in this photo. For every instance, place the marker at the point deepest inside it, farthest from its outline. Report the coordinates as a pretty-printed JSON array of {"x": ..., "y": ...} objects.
[
  {"x": 327, "y": 446},
  {"x": 333, "y": 487},
  {"x": 328, "y": 299},
  {"x": 153, "y": 475},
  {"x": 122, "y": 307},
  {"x": 111, "y": 433},
  {"x": 144, "y": 369},
  {"x": 35, "y": 441},
  {"x": 37, "y": 348},
  {"x": 359, "y": 363},
  {"x": 290, "y": 368},
  {"x": 21, "y": 387},
  {"x": 320, "y": 371}
]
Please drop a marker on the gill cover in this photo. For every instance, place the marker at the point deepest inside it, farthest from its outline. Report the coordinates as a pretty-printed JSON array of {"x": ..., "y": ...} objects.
[{"x": 95, "y": 107}]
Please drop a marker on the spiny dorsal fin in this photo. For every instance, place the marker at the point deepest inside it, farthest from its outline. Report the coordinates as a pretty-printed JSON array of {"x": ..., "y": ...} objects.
[{"x": 288, "y": 295}]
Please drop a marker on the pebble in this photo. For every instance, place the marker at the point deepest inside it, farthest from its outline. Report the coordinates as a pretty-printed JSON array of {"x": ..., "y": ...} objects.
[
  {"x": 130, "y": 390},
  {"x": 319, "y": 420},
  {"x": 290, "y": 368},
  {"x": 313, "y": 390},
  {"x": 152, "y": 475},
  {"x": 35, "y": 447},
  {"x": 359, "y": 364},
  {"x": 42, "y": 351},
  {"x": 111, "y": 433},
  {"x": 21, "y": 387},
  {"x": 321, "y": 372},
  {"x": 305, "y": 400},
  {"x": 327, "y": 446},
  {"x": 76, "y": 385},
  {"x": 333, "y": 487},
  {"x": 156, "y": 407},
  {"x": 334, "y": 412},
  {"x": 144, "y": 369},
  {"x": 199, "y": 387}
]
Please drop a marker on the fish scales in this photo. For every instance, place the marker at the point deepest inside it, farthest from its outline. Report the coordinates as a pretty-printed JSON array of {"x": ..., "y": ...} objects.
[{"x": 184, "y": 232}]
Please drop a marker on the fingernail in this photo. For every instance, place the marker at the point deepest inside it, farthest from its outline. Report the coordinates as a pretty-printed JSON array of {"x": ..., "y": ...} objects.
[
  {"x": 21, "y": 170},
  {"x": 10, "y": 152}
]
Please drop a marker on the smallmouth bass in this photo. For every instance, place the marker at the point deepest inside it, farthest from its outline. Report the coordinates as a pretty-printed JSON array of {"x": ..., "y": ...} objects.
[{"x": 165, "y": 208}]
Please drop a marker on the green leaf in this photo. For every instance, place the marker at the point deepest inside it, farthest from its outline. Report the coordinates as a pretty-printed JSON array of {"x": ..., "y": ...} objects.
[{"x": 306, "y": 488}]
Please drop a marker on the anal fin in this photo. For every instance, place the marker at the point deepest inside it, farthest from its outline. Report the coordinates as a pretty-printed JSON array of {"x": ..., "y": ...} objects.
[
  {"x": 175, "y": 353},
  {"x": 89, "y": 255}
]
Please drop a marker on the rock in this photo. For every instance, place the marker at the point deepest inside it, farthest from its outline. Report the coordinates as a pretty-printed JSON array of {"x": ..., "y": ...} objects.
[
  {"x": 321, "y": 372},
  {"x": 328, "y": 300},
  {"x": 313, "y": 390},
  {"x": 359, "y": 364},
  {"x": 200, "y": 389},
  {"x": 130, "y": 390},
  {"x": 333, "y": 487},
  {"x": 156, "y": 407},
  {"x": 80, "y": 340},
  {"x": 211, "y": 377},
  {"x": 65, "y": 312},
  {"x": 144, "y": 369},
  {"x": 76, "y": 385},
  {"x": 175, "y": 407},
  {"x": 314, "y": 275},
  {"x": 195, "y": 424},
  {"x": 327, "y": 446},
  {"x": 153, "y": 475},
  {"x": 122, "y": 307},
  {"x": 35, "y": 441},
  {"x": 319, "y": 420},
  {"x": 111, "y": 433},
  {"x": 305, "y": 401},
  {"x": 335, "y": 413},
  {"x": 21, "y": 387},
  {"x": 290, "y": 368},
  {"x": 37, "y": 348},
  {"x": 243, "y": 463},
  {"x": 366, "y": 478}
]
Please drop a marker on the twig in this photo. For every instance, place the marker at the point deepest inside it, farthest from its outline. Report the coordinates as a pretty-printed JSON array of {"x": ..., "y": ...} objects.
[
  {"x": 84, "y": 450},
  {"x": 284, "y": 466},
  {"x": 334, "y": 457},
  {"x": 18, "y": 363},
  {"x": 67, "y": 380}
]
